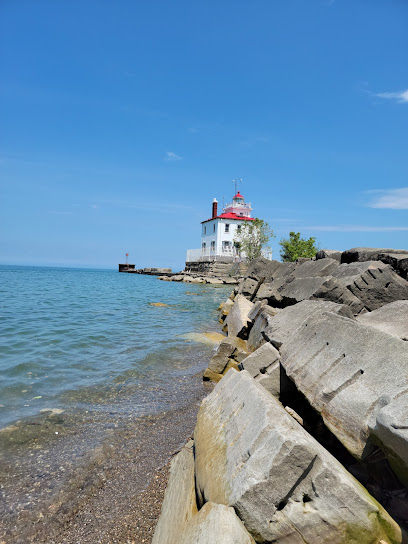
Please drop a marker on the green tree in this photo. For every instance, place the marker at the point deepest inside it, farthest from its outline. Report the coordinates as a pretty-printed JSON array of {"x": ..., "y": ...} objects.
[
  {"x": 252, "y": 238},
  {"x": 295, "y": 247}
]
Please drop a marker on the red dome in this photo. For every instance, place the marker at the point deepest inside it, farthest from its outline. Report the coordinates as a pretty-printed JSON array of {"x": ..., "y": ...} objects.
[{"x": 238, "y": 195}]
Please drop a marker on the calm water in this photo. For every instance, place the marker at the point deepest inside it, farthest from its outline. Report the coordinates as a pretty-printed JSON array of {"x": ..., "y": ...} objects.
[{"x": 81, "y": 339}]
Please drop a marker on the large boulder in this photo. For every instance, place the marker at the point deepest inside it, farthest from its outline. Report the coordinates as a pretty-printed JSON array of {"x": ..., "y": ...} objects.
[
  {"x": 328, "y": 253},
  {"x": 285, "y": 487},
  {"x": 391, "y": 318},
  {"x": 262, "y": 269},
  {"x": 237, "y": 320},
  {"x": 179, "y": 503},
  {"x": 261, "y": 321},
  {"x": 248, "y": 287},
  {"x": 263, "y": 365},
  {"x": 371, "y": 284},
  {"x": 399, "y": 262},
  {"x": 360, "y": 254},
  {"x": 311, "y": 269},
  {"x": 215, "y": 524},
  {"x": 230, "y": 353},
  {"x": 282, "y": 328},
  {"x": 349, "y": 372}
]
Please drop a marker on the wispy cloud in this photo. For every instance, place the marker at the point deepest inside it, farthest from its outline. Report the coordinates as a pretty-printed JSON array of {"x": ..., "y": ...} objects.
[
  {"x": 171, "y": 156},
  {"x": 353, "y": 228},
  {"x": 395, "y": 199},
  {"x": 399, "y": 96}
]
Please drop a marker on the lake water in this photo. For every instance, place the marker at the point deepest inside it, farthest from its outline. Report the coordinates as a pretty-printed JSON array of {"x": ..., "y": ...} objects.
[{"x": 83, "y": 355}]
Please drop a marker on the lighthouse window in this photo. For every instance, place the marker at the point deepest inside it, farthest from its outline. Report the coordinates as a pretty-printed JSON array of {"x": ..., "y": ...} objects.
[
  {"x": 226, "y": 227},
  {"x": 214, "y": 227},
  {"x": 239, "y": 227},
  {"x": 212, "y": 245},
  {"x": 205, "y": 230}
]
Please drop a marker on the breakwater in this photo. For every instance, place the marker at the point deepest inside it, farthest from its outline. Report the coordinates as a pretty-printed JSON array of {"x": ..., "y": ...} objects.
[{"x": 304, "y": 438}]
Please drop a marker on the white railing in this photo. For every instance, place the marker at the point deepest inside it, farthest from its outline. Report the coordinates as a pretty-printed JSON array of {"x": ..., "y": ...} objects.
[
  {"x": 208, "y": 254},
  {"x": 229, "y": 253}
]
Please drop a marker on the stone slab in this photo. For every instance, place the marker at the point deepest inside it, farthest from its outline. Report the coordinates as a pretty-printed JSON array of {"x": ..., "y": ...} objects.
[
  {"x": 391, "y": 318},
  {"x": 215, "y": 524},
  {"x": 179, "y": 504},
  {"x": 237, "y": 320},
  {"x": 285, "y": 487},
  {"x": 349, "y": 372},
  {"x": 361, "y": 254},
  {"x": 263, "y": 365},
  {"x": 328, "y": 253}
]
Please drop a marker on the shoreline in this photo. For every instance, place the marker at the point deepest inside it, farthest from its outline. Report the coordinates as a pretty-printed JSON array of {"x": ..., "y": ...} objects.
[{"x": 116, "y": 495}]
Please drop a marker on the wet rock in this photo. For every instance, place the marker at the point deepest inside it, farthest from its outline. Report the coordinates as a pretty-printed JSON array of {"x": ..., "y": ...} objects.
[
  {"x": 231, "y": 350},
  {"x": 391, "y": 318},
  {"x": 284, "y": 486},
  {"x": 179, "y": 504},
  {"x": 215, "y": 524}
]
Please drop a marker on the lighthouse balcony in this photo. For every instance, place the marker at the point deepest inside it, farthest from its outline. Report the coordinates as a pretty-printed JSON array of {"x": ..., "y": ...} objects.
[{"x": 226, "y": 254}]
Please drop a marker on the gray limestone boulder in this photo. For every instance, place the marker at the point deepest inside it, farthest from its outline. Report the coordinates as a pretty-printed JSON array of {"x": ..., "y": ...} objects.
[
  {"x": 179, "y": 503},
  {"x": 215, "y": 524},
  {"x": 349, "y": 372},
  {"x": 230, "y": 353},
  {"x": 284, "y": 486},
  {"x": 248, "y": 286},
  {"x": 262, "y": 320},
  {"x": 297, "y": 290},
  {"x": 391, "y": 318},
  {"x": 263, "y": 365},
  {"x": 261, "y": 268},
  {"x": 364, "y": 285},
  {"x": 282, "y": 328},
  {"x": 237, "y": 320},
  {"x": 398, "y": 261},
  {"x": 311, "y": 269},
  {"x": 328, "y": 253},
  {"x": 361, "y": 254}
]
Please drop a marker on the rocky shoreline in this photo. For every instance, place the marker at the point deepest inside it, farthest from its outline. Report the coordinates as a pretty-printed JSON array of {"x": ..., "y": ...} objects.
[{"x": 305, "y": 436}]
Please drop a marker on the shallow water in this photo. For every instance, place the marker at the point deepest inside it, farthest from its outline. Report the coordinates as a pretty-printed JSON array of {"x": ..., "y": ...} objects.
[{"x": 84, "y": 356}]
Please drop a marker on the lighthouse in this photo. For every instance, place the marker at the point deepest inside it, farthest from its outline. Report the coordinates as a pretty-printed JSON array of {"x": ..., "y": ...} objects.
[{"x": 219, "y": 232}]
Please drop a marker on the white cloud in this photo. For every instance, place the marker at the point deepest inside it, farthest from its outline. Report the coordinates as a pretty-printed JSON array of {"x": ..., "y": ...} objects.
[
  {"x": 171, "y": 156},
  {"x": 401, "y": 96},
  {"x": 353, "y": 228},
  {"x": 395, "y": 199}
]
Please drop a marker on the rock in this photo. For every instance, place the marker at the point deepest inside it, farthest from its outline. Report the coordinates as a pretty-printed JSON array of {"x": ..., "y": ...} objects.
[
  {"x": 364, "y": 285},
  {"x": 215, "y": 524},
  {"x": 237, "y": 319},
  {"x": 231, "y": 350},
  {"x": 178, "y": 277},
  {"x": 257, "y": 309},
  {"x": 284, "y": 486},
  {"x": 391, "y": 318},
  {"x": 311, "y": 269},
  {"x": 399, "y": 262},
  {"x": 349, "y": 372},
  {"x": 227, "y": 306},
  {"x": 247, "y": 287},
  {"x": 213, "y": 280},
  {"x": 360, "y": 254},
  {"x": 297, "y": 290},
  {"x": 230, "y": 281},
  {"x": 179, "y": 504},
  {"x": 256, "y": 338},
  {"x": 158, "y": 304},
  {"x": 282, "y": 328},
  {"x": 328, "y": 253},
  {"x": 261, "y": 268},
  {"x": 263, "y": 365}
]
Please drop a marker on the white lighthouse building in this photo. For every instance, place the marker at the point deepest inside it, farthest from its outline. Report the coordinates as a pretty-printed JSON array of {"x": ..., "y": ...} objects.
[{"x": 218, "y": 232}]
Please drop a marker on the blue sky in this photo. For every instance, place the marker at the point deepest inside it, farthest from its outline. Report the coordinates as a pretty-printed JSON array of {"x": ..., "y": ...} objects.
[{"x": 121, "y": 121}]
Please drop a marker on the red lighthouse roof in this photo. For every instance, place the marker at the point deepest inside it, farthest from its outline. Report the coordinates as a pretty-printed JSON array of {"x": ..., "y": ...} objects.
[{"x": 238, "y": 195}]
